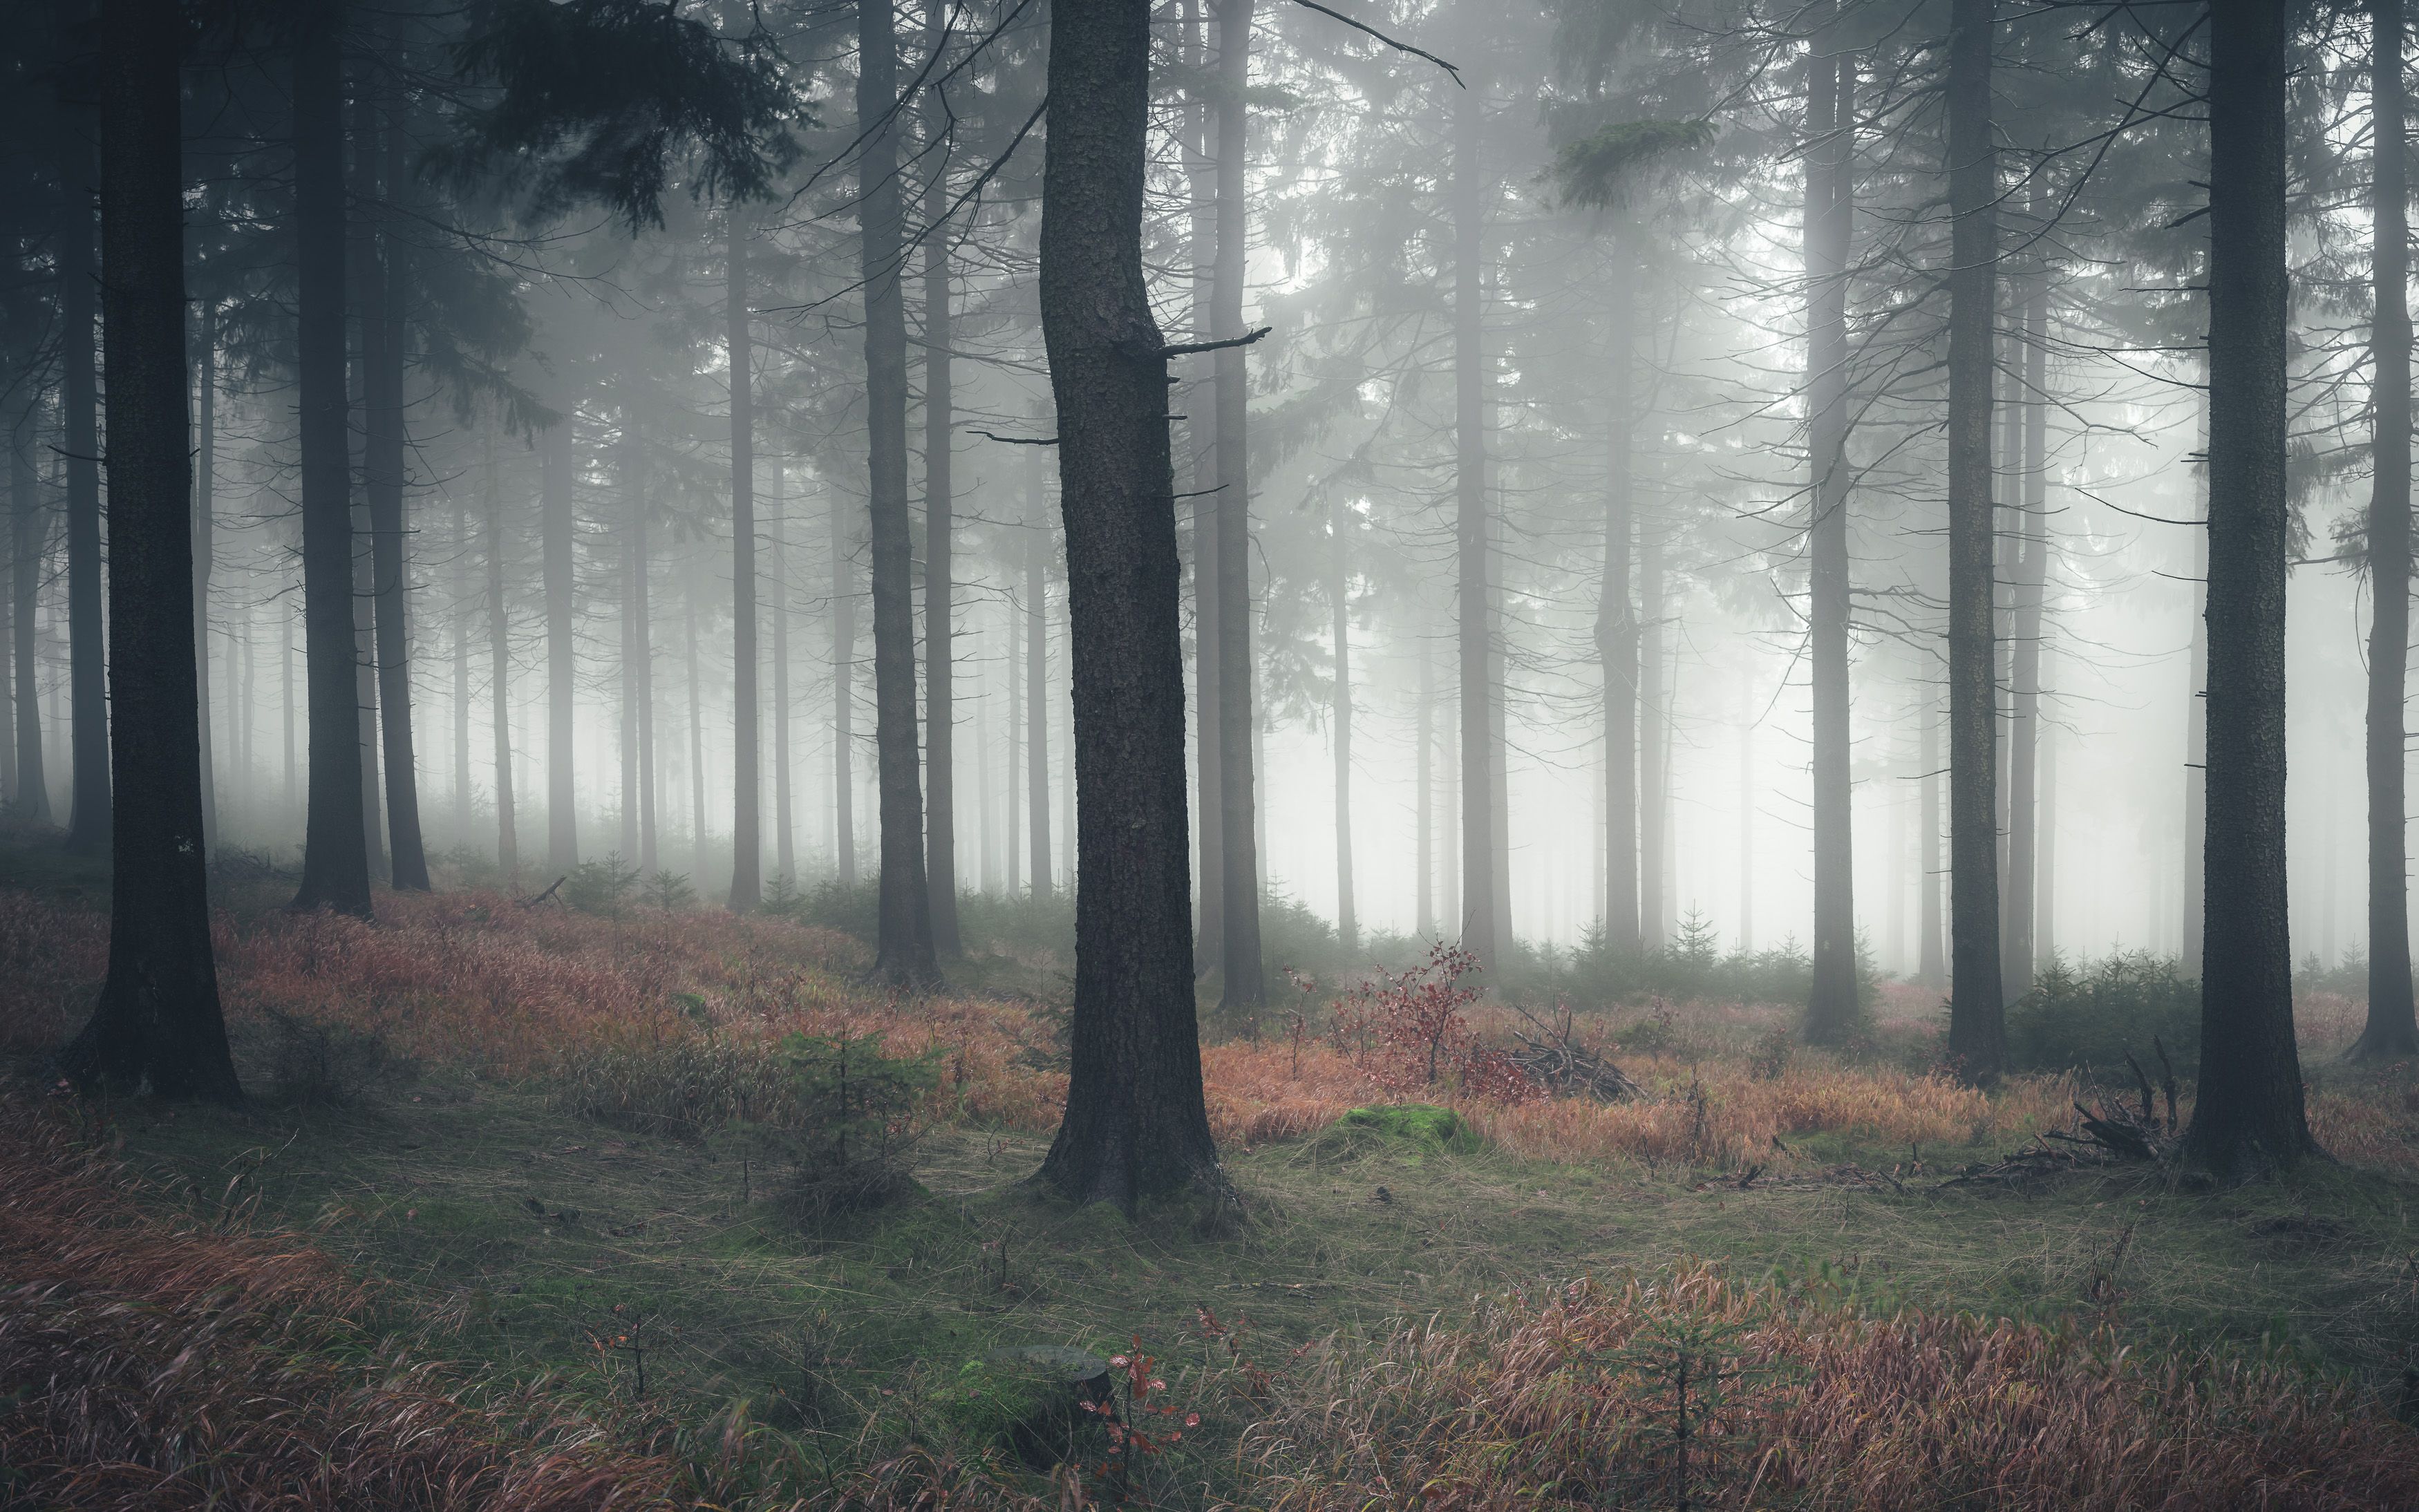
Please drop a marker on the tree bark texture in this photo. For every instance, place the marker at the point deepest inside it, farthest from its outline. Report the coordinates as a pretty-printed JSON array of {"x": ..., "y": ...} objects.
[
  {"x": 1831, "y": 1009},
  {"x": 1135, "y": 1124}
]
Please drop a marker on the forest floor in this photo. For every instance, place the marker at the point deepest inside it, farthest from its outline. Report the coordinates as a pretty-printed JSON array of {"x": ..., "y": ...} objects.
[{"x": 501, "y": 1140}]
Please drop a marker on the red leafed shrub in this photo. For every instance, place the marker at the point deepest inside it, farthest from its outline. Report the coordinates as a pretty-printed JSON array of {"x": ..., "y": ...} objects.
[
  {"x": 148, "y": 1364},
  {"x": 1409, "y": 1032}
]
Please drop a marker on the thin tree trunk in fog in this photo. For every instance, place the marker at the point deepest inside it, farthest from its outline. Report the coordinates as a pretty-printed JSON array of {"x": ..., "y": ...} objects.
[
  {"x": 1499, "y": 782},
  {"x": 746, "y": 737},
  {"x": 940, "y": 655},
  {"x": 1746, "y": 822},
  {"x": 1653, "y": 724},
  {"x": 158, "y": 1019},
  {"x": 2392, "y": 1032},
  {"x": 1037, "y": 663},
  {"x": 508, "y": 851},
  {"x": 784, "y": 814},
  {"x": 556, "y": 532},
  {"x": 1933, "y": 971},
  {"x": 2196, "y": 717},
  {"x": 87, "y": 668},
  {"x": 1012, "y": 654},
  {"x": 904, "y": 953},
  {"x": 1243, "y": 988},
  {"x": 1347, "y": 927},
  {"x": 1977, "y": 1018},
  {"x": 285, "y": 681},
  {"x": 461, "y": 673},
  {"x": 2032, "y": 577},
  {"x": 1831, "y": 1007},
  {"x": 1449, "y": 822},
  {"x": 690, "y": 591},
  {"x": 2045, "y": 825},
  {"x": 634, "y": 580},
  {"x": 1424, "y": 805},
  {"x": 8, "y": 794},
  {"x": 205, "y": 423},
  {"x": 365, "y": 696},
  {"x": 29, "y": 531},
  {"x": 335, "y": 850},
  {"x": 1616, "y": 630},
  {"x": 382, "y": 354},
  {"x": 1199, "y": 473},
  {"x": 843, "y": 699},
  {"x": 642, "y": 664},
  {"x": 1135, "y": 1125},
  {"x": 2249, "y": 1116},
  {"x": 1477, "y": 904}
]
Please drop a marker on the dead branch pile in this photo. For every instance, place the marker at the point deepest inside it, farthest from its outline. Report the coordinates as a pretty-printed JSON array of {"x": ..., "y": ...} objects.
[
  {"x": 1555, "y": 1059},
  {"x": 2108, "y": 1132}
]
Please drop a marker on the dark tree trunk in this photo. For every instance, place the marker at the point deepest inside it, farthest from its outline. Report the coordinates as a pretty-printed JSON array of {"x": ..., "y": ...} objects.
[
  {"x": 1616, "y": 634},
  {"x": 88, "y": 807},
  {"x": 2248, "y": 1117},
  {"x": 843, "y": 701},
  {"x": 1976, "y": 1012},
  {"x": 366, "y": 699},
  {"x": 558, "y": 529},
  {"x": 30, "y": 535},
  {"x": 1244, "y": 989},
  {"x": 1653, "y": 747},
  {"x": 1347, "y": 926},
  {"x": 382, "y": 447},
  {"x": 785, "y": 826},
  {"x": 1831, "y": 1007},
  {"x": 1135, "y": 1124},
  {"x": 690, "y": 592},
  {"x": 940, "y": 655},
  {"x": 1199, "y": 473},
  {"x": 903, "y": 955},
  {"x": 499, "y": 670},
  {"x": 746, "y": 737},
  {"x": 335, "y": 853},
  {"x": 158, "y": 1019},
  {"x": 206, "y": 390},
  {"x": 1472, "y": 540},
  {"x": 2392, "y": 1031},
  {"x": 1036, "y": 665},
  {"x": 2196, "y": 722},
  {"x": 462, "y": 557},
  {"x": 2024, "y": 683}
]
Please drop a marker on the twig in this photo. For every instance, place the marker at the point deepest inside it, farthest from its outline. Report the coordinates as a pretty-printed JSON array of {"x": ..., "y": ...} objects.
[
  {"x": 1017, "y": 441},
  {"x": 549, "y": 892},
  {"x": 1188, "y": 348},
  {"x": 1451, "y": 72}
]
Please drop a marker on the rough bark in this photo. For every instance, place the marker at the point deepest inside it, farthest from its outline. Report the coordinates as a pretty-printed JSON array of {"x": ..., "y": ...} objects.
[
  {"x": 1831, "y": 1006},
  {"x": 1616, "y": 631},
  {"x": 335, "y": 854},
  {"x": 1037, "y": 666},
  {"x": 1135, "y": 1125},
  {"x": 747, "y": 737},
  {"x": 2248, "y": 1117},
  {"x": 158, "y": 1019},
  {"x": 1243, "y": 986},
  {"x": 1472, "y": 543},
  {"x": 557, "y": 530},
  {"x": 903, "y": 954},
  {"x": 2392, "y": 1032},
  {"x": 1976, "y": 1015},
  {"x": 89, "y": 805},
  {"x": 940, "y": 655}
]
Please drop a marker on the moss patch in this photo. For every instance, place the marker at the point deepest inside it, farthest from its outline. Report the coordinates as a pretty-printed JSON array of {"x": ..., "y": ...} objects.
[{"x": 1417, "y": 1123}]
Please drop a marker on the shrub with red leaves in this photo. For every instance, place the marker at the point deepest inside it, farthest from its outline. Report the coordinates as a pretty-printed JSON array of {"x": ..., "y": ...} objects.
[{"x": 1409, "y": 1032}]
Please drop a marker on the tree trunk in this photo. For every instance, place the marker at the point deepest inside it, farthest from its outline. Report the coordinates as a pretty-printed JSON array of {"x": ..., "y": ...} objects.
[
  {"x": 1976, "y": 1015},
  {"x": 508, "y": 853},
  {"x": 2197, "y": 719},
  {"x": 1654, "y": 742},
  {"x": 940, "y": 655},
  {"x": 87, "y": 671},
  {"x": 1199, "y": 473},
  {"x": 382, "y": 448},
  {"x": 637, "y": 661},
  {"x": 1244, "y": 988},
  {"x": 158, "y": 1019},
  {"x": 1424, "y": 805},
  {"x": 1135, "y": 1125},
  {"x": 335, "y": 851},
  {"x": 2248, "y": 1117},
  {"x": 1616, "y": 633},
  {"x": 206, "y": 421},
  {"x": 690, "y": 592},
  {"x": 2045, "y": 825},
  {"x": 365, "y": 695},
  {"x": 1477, "y": 910},
  {"x": 1933, "y": 971},
  {"x": 843, "y": 701},
  {"x": 746, "y": 737},
  {"x": 1036, "y": 665},
  {"x": 1747, "y": 819},
  {"x": 461, "y": 616},
  {"x": 1347, "y": 925},
  {"x": 2392, "y": 1032},
  {"x": 558, "y": 530},
  {"x": 1831, "y": 1008},
  {"x": 784, "y": 814},
  {"x": 2024, "y": 683},
  {"x": 29, "y": 535},
  {"x": 904, "y": 953}
]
